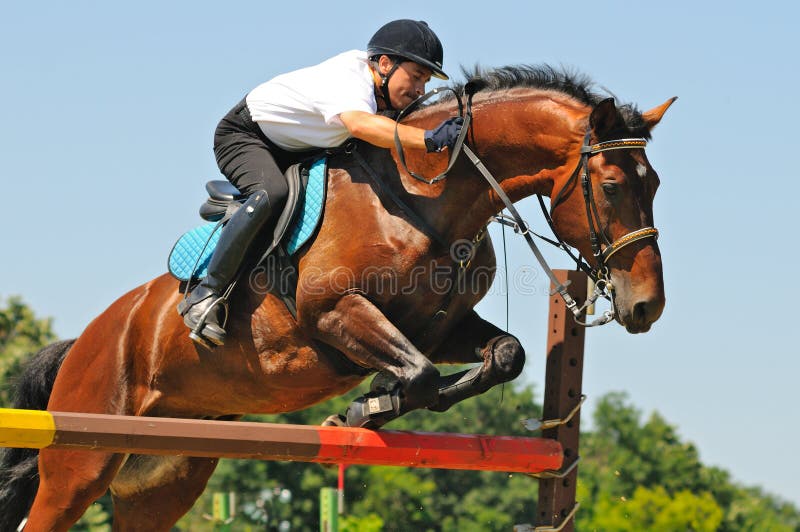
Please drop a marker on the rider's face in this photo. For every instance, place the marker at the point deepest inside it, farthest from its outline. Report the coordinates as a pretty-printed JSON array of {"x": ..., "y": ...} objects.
[{"x": 408, "y": 83}]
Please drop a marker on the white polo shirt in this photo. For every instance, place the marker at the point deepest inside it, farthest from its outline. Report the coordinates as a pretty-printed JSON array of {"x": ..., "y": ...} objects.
[{"x": 300, "y": 110}]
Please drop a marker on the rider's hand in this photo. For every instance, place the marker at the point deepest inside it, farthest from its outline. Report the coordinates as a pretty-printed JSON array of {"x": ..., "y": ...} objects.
[{"x": 445, "y": 134}]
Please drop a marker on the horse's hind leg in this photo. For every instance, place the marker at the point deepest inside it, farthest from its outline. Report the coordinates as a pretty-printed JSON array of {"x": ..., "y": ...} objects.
[
  {"x": 151, "y": 493},
  {"x": 69, "y": 482},
  {"x": 502, "y": 355}
]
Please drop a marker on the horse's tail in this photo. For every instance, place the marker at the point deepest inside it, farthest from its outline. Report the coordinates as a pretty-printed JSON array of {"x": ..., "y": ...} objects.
[{"x": 19, "y": 473}]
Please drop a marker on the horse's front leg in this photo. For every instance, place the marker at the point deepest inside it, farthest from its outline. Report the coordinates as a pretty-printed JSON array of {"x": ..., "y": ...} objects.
[
  {"x": 472, "y": 340},
  {"x": 357, "y": 328}
]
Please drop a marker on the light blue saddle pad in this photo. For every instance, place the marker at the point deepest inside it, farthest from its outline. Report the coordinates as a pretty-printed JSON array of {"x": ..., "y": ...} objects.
[{"x": 192, "y": 252}]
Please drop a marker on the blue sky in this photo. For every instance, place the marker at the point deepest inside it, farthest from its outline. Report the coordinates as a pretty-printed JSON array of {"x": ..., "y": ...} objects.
[{"x": 108, "y": 111}]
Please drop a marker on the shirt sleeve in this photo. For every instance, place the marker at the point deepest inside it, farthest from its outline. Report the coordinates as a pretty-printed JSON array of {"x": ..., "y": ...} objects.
[{"x": 352, "y": 90}]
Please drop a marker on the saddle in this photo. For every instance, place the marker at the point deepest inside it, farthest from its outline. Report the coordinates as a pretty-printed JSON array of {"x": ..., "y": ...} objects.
[{"x": 189, "y": 257}]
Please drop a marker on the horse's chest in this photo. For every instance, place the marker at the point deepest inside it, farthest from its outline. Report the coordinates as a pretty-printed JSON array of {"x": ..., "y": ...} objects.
[{"x": 418, "y": 290}]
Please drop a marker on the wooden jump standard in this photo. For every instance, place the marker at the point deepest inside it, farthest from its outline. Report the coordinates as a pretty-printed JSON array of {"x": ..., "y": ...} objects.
[{"x": 269, "y": 441}]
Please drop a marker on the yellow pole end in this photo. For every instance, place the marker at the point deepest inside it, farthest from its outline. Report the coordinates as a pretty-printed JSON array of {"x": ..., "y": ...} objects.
[{"x": 31, "y": 429}]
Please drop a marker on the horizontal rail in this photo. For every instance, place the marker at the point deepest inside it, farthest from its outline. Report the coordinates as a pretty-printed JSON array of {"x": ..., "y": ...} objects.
[{"x": 269, "y": 441}]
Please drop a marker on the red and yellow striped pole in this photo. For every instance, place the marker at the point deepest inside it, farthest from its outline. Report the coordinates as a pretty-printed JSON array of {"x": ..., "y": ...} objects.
[{"x": 269, "y": 441}]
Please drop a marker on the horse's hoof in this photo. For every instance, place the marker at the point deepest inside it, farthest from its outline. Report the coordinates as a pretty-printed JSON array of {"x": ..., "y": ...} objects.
[
  {"x": 336, "y": 420},
  {"x": 384, "y": 382}
]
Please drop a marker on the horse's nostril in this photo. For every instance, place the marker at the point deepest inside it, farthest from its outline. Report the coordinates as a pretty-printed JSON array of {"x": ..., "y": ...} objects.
[{"x": 640, "y": 311}]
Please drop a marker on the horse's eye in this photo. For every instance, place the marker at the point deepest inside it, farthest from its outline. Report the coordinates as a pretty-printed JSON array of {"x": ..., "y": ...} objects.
[{"x": 610, "y": 188}]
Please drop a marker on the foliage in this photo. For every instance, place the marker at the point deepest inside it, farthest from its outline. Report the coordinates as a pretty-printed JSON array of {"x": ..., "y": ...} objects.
[
  {"x": 96, "y": 518},
  {"x": 369, "y": 523},
  {"x": 641, "y": 476},
  {"x": 21, "y": 335},
  {"x": 657, "y": 510}
]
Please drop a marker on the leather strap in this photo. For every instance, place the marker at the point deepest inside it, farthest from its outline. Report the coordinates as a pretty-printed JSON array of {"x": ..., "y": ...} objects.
[
  {"x": 560, "y": 288},
  {"x": 454, "y": 153},
  {"x": 415, "y": 218},
  {"x": 630, "y": 238}
]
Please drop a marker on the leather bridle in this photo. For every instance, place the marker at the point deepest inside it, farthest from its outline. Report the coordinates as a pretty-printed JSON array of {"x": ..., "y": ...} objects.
[
  {"x": 602, "y": 248},
  {"x": 602, "y": 251}
]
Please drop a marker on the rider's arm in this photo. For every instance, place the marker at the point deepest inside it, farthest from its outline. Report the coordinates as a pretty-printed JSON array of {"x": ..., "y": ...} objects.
[{"x": 379, "y": 130}]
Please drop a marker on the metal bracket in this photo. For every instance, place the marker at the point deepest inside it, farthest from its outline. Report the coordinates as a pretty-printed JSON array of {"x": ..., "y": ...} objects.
[
  {"x": 559, "y": 473},
  {"x": 537, "y": 424}
]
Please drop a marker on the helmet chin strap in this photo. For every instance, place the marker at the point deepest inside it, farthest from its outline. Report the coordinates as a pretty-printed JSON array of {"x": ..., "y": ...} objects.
[{"x": 385, "y": 85}]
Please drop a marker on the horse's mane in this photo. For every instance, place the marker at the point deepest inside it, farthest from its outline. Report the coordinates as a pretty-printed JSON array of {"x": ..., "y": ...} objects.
[{"x": 574, "y": 84}]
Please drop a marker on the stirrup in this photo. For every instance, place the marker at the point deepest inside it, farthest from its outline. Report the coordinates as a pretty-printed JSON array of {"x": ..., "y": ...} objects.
[{"x": 201, "y": 331}]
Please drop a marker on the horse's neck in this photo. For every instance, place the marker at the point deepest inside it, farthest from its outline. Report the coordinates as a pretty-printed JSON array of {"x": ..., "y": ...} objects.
[{"x": 527, "y": 143}]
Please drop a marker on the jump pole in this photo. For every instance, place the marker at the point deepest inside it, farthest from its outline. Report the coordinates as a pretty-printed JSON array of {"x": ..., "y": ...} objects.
[{"x": 269, "y": 441}]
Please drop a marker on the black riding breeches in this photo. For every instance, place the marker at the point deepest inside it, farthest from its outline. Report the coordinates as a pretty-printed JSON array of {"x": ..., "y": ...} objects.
[{"x": 250, "y": 160}]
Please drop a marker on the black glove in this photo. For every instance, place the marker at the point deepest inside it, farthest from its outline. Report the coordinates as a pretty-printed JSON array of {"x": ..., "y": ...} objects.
[{"x": 445, "y": 134}]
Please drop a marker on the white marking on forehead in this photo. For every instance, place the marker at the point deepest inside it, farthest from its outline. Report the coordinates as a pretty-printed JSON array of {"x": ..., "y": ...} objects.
[{"x": 641, "y": 170}]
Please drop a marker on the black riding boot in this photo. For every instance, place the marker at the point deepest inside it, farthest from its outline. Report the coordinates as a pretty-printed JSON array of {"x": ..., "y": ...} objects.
[{"x": 204, "y": 311}]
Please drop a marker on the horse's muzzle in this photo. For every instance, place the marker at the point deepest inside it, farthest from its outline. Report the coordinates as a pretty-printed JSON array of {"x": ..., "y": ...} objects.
[{"x": 640, "y": 316}]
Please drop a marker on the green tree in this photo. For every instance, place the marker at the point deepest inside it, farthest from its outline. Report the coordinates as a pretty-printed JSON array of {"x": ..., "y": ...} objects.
[
  {"x": 21, "y": 335},
  {"x": 368, "y": 523},
  {"x": 642, "y": 476},
  {"x": 657, "y": 510}
]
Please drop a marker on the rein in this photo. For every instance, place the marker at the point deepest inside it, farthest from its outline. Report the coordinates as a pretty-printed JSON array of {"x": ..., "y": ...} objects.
[
  {"x": 457, "y": 146},
  {"x": 602, "y": 251}
]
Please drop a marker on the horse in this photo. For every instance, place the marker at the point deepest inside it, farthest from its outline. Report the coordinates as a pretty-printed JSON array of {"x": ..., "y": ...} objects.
[{"x": 529, "y": 127}]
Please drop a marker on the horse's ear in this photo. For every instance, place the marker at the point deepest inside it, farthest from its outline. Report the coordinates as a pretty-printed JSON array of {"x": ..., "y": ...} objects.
[
  {"x": 604, "y": 117},
  {"x": 653, "y": 116}
]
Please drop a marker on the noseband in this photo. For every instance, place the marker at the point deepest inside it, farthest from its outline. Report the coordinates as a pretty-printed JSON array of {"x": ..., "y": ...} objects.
[{"x": 602, "y": 247}]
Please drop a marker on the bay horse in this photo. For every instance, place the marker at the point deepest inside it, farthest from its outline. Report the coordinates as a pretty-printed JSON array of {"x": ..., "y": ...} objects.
[{"x": 529, "y": 126}]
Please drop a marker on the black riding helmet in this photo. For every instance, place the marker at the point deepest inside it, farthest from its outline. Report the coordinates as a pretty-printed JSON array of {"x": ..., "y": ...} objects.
[{"x": 410, "y": 40}]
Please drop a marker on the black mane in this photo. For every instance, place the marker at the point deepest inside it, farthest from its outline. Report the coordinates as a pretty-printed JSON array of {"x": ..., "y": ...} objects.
[{"x": 546, "y": 77}]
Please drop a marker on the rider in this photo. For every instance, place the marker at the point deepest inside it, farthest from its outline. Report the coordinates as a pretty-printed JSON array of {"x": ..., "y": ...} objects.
[{"x": 280, "y": 121}]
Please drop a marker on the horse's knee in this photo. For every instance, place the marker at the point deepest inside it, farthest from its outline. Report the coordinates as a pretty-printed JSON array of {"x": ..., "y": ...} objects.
[{"x": 506, "y": 358}]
